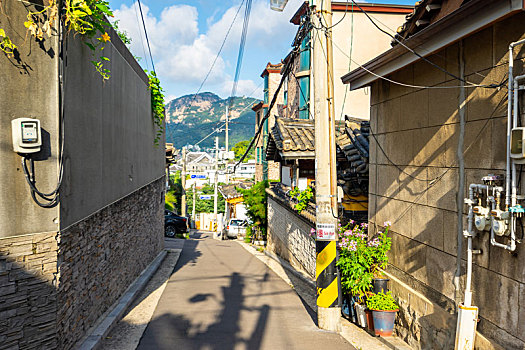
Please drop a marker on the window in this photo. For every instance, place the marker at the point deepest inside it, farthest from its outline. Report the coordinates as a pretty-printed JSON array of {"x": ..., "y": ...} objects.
[
  {"x": 285, "y": 94},
  {"x": 304, "y": 56},
  {"x": 266, "y": 89},
  {"x": 304, "y": 97}
]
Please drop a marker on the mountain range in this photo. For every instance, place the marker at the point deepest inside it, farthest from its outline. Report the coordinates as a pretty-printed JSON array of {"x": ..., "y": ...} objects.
[{"x": 190, "y": 118}]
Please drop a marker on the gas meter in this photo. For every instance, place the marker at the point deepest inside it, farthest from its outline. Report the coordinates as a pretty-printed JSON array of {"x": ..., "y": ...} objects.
[
  {"x": 26, "y": 134},
  {"x": 481, "y": 219}
]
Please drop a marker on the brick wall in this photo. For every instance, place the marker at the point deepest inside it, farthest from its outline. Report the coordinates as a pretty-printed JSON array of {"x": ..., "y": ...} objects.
[
  {"x": 28, "y": 299},
  {"x": 289, "y": 236},
  {"x": 101, "y": 256},
  {"x": 418, "y": 129}
]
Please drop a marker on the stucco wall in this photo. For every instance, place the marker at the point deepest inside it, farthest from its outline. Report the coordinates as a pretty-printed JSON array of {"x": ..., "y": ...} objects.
[
  {"x": 418, "y": 130},
  {"x": 109, "y": 131},
  {"x": 289, "y": 236},
  {"x": 29, "y": 88}
]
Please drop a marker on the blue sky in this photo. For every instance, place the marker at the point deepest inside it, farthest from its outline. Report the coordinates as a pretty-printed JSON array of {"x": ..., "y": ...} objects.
[{"x": 186, "y": 35}]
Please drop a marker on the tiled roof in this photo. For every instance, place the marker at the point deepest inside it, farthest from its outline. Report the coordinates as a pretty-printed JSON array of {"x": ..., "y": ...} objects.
[
  {"x": 292, "y": 135},
  {"x": 230, "y": 191},
  {"x": 425, "y": 12}
]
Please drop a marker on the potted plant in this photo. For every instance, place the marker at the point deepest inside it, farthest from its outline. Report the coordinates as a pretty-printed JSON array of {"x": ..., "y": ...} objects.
[
  {"x": 354, "y": 264},
  {"x": 380, "y": 245},
  {"x": 384, "y": 308}
]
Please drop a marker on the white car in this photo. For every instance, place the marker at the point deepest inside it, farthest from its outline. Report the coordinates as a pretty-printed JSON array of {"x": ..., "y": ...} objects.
[{"x": 236, "y": 227}]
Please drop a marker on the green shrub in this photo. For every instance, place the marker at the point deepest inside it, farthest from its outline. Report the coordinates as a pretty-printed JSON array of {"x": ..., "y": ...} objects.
[{"x": 382, "y": 302}]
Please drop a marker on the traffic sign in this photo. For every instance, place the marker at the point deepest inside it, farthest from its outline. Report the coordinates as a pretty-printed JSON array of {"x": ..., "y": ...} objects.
[
  {"x": 198, "y": 176},
  {"x": 206, "y": 196}
]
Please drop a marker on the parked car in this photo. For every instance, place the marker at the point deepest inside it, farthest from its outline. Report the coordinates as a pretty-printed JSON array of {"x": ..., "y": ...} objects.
[
  {"x": 236, "y": 227},
  {"x": 174, "y": 224}
]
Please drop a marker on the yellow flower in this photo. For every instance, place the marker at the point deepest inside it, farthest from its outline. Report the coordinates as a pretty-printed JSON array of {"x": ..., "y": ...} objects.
[{"x": 105, "y": 37}]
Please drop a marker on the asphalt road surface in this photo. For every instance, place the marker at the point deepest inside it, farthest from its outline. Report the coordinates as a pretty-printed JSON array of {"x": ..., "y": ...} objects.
[{"x": 221, "y": 297}]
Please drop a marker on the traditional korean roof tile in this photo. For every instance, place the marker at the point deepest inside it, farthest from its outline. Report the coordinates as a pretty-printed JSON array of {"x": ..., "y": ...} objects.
[
  {"x": 230, "y": 191},
  {"x": 293, "y": 138}
]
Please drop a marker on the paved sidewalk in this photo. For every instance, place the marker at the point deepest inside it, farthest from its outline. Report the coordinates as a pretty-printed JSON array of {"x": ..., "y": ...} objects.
[
  {"x": 127, "y": 332},
  {"x": 222, "y": 297}
]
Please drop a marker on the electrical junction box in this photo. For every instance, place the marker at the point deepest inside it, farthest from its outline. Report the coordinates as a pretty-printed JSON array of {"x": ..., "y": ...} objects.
[
  {"x": 517, "y": 141},
  {"x": 27, "y": 137}
]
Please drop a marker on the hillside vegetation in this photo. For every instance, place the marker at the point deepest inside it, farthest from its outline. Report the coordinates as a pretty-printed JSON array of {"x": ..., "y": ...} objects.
[{"x": 189, "y": 119}]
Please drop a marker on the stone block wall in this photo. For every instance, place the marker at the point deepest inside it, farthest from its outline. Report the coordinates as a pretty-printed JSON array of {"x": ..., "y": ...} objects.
[
  {"x": 28, "y": 298},
  {"x": 289, "y": 236},
  {"x": 418, "y": 131},
  {"x": 101, "y": 256}
]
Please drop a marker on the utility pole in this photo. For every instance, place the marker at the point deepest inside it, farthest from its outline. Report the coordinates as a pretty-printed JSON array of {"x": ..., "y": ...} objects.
[
  {"x": 227, "y": 131},
  {"x": 227, "y": 140},
  {"x": 194, "y": 200},
  {"x": 183, "y": 181},
  {"x": 327, "y": 282},
  {"x": 215, "y": 224}
]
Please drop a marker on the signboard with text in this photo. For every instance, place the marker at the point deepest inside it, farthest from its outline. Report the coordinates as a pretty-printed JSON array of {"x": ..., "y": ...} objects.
[
  {"x": 206, "y": 196},
  {"x": 325, "y": 232},
  {"x": 198, "y": 176}
]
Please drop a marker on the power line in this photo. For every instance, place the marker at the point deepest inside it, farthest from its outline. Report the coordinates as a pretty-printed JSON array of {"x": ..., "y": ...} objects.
[
  {"x": 147, "y": 39},
  {"x": 240, "y": 55},
  {"x": 414, "y": 52},
  {"x": 140, "y": 34},
  {"x": 219, "y": 52}
]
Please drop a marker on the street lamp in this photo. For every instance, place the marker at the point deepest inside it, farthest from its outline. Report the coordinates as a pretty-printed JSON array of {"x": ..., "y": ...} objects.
[{"x": 278, "y": 5}]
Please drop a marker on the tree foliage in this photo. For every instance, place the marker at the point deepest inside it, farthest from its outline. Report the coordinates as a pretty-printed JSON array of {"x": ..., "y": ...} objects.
[
  {"x": 205, "y": 205},
  {"x": 240, "y": 148},
  {"x": 256, "y": 201}
]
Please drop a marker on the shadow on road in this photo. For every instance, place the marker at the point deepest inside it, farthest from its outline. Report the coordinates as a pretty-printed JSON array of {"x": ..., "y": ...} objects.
[{"x": 224, "y": 333}]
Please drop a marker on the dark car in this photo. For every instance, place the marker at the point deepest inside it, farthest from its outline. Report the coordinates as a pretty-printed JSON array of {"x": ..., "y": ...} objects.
[{"x": 174, "y": 224}]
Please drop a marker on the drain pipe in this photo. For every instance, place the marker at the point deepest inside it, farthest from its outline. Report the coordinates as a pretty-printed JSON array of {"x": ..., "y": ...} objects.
[{"x": 461, "y": 177}]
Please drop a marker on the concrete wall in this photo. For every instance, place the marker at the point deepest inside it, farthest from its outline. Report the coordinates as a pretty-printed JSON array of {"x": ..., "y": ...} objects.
[
  {"x": 289, "y": 236},
  {"x": 29, "y": 89},
  {"x": 109, "y": 131},
  {"x": 418, "y": 129},
  {"x": 60, "y": 268}
]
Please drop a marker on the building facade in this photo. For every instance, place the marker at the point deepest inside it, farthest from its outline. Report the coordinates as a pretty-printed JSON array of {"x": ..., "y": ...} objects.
[{"x": 440, "y": 126}]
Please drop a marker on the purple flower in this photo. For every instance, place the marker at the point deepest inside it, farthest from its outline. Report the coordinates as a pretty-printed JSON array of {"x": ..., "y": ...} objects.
[
  {"x": 387, "y": 224},
  {"x": 312, "y": 232},
  {"x": 353, "y": 246}
]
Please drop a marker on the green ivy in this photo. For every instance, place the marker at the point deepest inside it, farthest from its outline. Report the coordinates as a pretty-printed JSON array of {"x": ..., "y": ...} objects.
[
  {"x": 382, "y": 302},
  {"x": 303, "y": 198},
  {"x": 157, "y": 104}
]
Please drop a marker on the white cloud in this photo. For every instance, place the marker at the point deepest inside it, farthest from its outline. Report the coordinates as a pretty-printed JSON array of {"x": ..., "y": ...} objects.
[
  {"x": 183, "y": 56},
  {"x": 244, "y": 88}
]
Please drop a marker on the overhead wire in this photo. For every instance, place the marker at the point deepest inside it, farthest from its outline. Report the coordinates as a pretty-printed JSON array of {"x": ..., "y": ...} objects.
[
  {"x": 220, "y": 50},
  {"x": 146, "y": 34},
  {"x": 135, "y": 6},
  {"x": 240, "y": 54}
]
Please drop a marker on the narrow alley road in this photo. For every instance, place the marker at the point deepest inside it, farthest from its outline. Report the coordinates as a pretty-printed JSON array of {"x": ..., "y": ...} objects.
[{"x": 222, "y": 297}]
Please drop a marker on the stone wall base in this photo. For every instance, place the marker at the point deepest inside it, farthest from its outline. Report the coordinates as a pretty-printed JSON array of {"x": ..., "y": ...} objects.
[
  {"x": 431, "y": 324},
  {"x": 289, "y": 237}
]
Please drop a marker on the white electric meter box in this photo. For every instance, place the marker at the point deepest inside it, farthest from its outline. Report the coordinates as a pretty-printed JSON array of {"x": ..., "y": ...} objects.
[
  {"x": 27, "y": 137},
  {"x": 517, "y": 142}
]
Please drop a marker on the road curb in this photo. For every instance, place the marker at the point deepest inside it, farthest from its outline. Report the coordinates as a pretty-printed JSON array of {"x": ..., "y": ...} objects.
[{"x": 106, "y": 322}]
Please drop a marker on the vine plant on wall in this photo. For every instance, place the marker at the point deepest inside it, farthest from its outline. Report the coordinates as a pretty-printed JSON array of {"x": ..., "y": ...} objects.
[{"x": 87, "y": 18}]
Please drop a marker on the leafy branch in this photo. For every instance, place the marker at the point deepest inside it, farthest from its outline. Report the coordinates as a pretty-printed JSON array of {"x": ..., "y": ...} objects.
[
  {"x": 157, "y": 104},
  {"x": 303, "y": 198}
]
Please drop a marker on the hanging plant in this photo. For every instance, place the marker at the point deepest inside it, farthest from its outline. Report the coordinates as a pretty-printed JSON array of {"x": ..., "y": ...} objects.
[
  {"x": 157, "y": 104},
  {"x": 84, "y": 17}
]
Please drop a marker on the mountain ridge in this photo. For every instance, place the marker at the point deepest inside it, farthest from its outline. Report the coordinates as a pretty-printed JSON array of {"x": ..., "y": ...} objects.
[{"x": 189, "y": 118}]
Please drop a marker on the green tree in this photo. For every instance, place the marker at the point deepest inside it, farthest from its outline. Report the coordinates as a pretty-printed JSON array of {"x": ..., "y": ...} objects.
[
  {"x": 240, "y": 148},
  {"x": 173, "y": 199},
  {"x": 256, "y": 201},
  {"x": 204, "y": 205}
]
